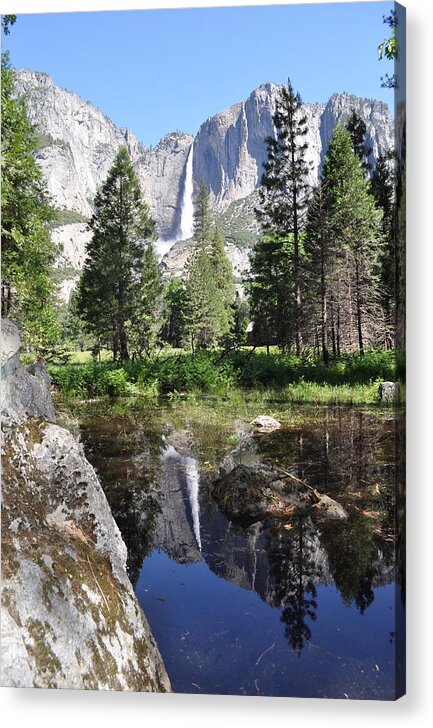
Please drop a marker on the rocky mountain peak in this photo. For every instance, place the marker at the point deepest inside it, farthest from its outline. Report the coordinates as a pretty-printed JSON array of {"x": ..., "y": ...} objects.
[{"x": 77, "y": 145}]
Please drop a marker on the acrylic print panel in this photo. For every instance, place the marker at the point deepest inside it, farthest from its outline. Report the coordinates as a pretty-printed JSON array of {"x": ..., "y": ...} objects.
[{"x": 203, "y": 270}]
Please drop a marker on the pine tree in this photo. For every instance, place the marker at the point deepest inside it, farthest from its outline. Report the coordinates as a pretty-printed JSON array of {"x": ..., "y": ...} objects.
[
  {"x": 318, "y": 262},
  {"x": 202, "y": 223},
  {"x": 270, "y": 301},
  {"x": 174, "y": 313},
  {"x": 353, "y": 224},
  {"x": 27, "y": 250},
  {"x": 210, "y": 287},
  {"x": 382, "y": 188},
  {"x": 241, "y": 317},
  {"x": 357, "y": 128},
  {"x": 205, "y": 306},
  {"x": 146, "y": 321},
  {"x": 283, "y": 194},
  {"x": 223, "y": 272},
  {"x": 111, "y": 283}
]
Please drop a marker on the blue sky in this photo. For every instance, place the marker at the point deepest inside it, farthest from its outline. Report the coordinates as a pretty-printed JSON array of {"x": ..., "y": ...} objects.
[{"x": 155, "y": 71}]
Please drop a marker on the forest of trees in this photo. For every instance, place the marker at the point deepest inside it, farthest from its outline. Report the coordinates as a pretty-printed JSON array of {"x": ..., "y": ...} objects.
[
  {"x": 27, "y": 292},
  {"x": 323, "y": 274},
  {"x": 327, "y": 274}
]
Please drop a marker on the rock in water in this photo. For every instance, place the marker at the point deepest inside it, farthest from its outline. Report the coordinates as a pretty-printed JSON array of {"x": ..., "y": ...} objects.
[
  {"x": 69, "y": 616},
  {"x": 389, "y": 392},
  {"x": 265, "y": 423},
  {"x": 253, "y": 493}
]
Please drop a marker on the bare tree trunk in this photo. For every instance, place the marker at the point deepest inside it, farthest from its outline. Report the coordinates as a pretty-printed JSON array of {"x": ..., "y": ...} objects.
[
  {"x": 324, "y": 304},
  {"x": 123, "y": 344},
  {"x": 359, "y": 307},
  {"x": 334, "y": 348}
]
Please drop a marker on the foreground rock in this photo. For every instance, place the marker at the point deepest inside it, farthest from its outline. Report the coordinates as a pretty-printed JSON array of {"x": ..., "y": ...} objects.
[
  {"x": 265, "y": 423},
  {"x": 69, "y": 617},
  {"x": 252, "y": 493}
]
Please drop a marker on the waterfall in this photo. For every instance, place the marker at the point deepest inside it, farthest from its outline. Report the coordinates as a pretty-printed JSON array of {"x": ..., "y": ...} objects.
[
  {"x": 186, "y": 225},
  {"x": 186, "y": 228}
]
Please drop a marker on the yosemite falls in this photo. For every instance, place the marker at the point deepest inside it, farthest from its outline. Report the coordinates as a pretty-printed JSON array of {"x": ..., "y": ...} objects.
[
  {"x": 186, "y": 229},
  {"x": 186, "y": 225}
]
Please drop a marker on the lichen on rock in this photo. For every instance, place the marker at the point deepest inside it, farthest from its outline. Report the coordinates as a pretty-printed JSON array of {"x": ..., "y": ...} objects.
[{"x": 70, "y": 618}]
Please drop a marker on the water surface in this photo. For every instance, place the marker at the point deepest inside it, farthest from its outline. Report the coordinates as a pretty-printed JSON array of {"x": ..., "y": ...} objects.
[{"x": 281, "y": 607}]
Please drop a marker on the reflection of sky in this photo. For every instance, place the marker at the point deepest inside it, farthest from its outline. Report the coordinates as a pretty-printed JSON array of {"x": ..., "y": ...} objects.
[{"x": 218, "y": 638}]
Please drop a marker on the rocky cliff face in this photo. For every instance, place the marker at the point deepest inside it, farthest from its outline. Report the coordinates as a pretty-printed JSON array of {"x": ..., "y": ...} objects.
[
  {"x": 78, "y": 144},
  {"x": 69, "y": 616}
]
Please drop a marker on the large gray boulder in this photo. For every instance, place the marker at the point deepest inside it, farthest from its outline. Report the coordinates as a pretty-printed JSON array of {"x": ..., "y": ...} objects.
[
  {"x": 69, "y": 616},
  {"x": 24, "y": 392}
]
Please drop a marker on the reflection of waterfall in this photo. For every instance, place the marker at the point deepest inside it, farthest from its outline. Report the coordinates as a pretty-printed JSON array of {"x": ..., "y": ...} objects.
[
  {"x": 188, "y": 468},
  {"x": 192, "y": 480},
  {"x": 186, "y": 228}
]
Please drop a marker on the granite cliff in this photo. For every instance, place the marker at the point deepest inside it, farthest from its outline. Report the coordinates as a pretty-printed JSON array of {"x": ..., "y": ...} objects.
[{"x": 77, "y": 144}]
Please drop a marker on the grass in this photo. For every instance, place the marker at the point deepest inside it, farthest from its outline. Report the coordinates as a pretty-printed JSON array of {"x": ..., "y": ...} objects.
[{"x": 350, "y": 380}]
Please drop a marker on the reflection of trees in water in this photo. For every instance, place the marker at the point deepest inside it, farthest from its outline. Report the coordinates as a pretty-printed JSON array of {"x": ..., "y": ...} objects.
[
  {"x": 345, "y": 454},
  {"x": 339, "y": 453},
  {"x": 126, "y": 459},
  {"x": 135, "y": 512},
  {"x": 351, "y": 550},
  {"x": 295, "y": 570}
]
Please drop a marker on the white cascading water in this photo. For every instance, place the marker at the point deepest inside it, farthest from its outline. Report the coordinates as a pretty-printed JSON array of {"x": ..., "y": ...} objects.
[
  {"x": 186, "y": 225},
  {"x": 186, "y": 228},
  {"x": 192, "y": 485}
]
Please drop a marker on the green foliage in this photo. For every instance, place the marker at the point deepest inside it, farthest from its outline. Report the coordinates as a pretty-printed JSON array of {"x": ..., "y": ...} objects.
[
  {"x": 241, "y": 318},
  {"x": 202, "y": 222},
  {"x": 353, "y": 227},
  {"x": 205, "y": 308},
  {"x": 146, "y": 320},
  {"x": 66, "y": 217},
  {"x": 209, "y": 289},
  {"x": 174, "y": 313},
  {"x": 280, "y": 213},
  {"x": 358, "y": 129},
  {"x": 6, "y": 22},
  {"x": 112, "y": 287},
  {"x": 389, "y": 49},
  {"x": 382, "y": 187},
  {"x": 27, "y": 250},
  {"x": 353, "y": 379},
  {"x": 270, "y": 290}
]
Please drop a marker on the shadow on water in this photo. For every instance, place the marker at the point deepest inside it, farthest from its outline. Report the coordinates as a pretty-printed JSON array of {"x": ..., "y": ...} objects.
[{"x": 236, "y": 608}]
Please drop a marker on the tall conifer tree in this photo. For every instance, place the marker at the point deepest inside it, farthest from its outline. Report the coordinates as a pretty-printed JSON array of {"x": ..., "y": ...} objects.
[
  {"x": 358, "y": 130},
  {"x": 146, "y": 321},
  {"x": 110, "y": 286},
  {"x": 382, "y": 188},
  {"x": 353, "y": 224},
  {"x": 283, "y": 195},
  {"x": 210, "y": 289}
]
